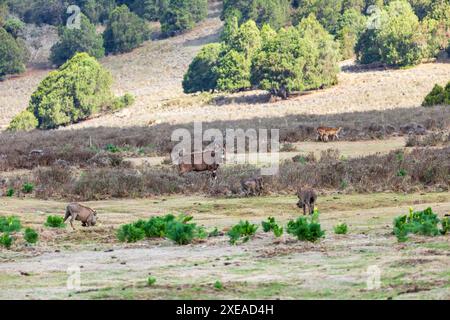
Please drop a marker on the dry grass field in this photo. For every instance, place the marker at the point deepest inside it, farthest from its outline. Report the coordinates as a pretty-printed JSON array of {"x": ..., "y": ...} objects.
[{"x": 264, "y": 268}]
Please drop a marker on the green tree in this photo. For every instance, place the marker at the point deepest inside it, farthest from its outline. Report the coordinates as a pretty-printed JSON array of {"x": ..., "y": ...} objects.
[
  {"x": 79, "y": 88},
  {"x": 12, "y": 54},
  {"x": 398, "y": 41},
  {"x": 97, "y": 11},
  {"x": 125, "y": 31},
  {"x": 327, "y": 12},
  {"x": 14, "y": 27},
  {"x": 181, "y": 15},
  {"x": 296, "y": 59},
  {"x": 200, "y": 75},
  {"x": 72, "y": 41},
  {"x": 247, "y": 39},
  {"x": 350, "y": 27},
  {"x": 233, "y": 71}
]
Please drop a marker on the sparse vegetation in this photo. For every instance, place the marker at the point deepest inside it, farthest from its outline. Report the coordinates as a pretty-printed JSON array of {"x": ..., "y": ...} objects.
[
  {"x": 151, "y": 281},
  {"x": 341, "y": 228},
  {"x": 10, "y": 224},
  {"x": 271, "y": 225},
  {"x": 55, "y": 222},
  {"x": 417, "y": 222},
  {"x": 218, "y": 285},
  {"x": 31, "y": 236},
  {"x": 243, "y": 232},
  {"x": 6, "y": 240},
  {"x": 306, "y": 228}
]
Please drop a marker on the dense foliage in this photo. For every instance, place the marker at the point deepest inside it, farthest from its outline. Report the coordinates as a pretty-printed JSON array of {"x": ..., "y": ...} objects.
[
  {"x": 13, "y": 55},
  {"x": 438, "y": 96},
  {"x": 72, "y": 41},
  {"x": 182, "y": 15},
  {"x": 78, "y": 89},
  {"x": 125, "y": 31}
]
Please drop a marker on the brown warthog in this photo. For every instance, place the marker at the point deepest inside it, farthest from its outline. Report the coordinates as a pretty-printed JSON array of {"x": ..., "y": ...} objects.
[
  {"x": 190, "y": 163},
  {"x": 307, "y": 198},
  {"x": 253, "y": 186},
  {"x": 76, "y": 211}
]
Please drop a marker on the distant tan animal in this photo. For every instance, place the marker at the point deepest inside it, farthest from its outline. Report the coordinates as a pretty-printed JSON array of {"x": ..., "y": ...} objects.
[
  {"x": 307, "y": 198},
  {"x": 76, "y": 211},
  {"x": 253, "y": 186},
  {"x": 325, "y": 134}
]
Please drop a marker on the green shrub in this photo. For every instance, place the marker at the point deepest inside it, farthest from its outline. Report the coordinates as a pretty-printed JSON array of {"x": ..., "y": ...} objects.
[
  {"x": 125, "y": 31},
  {"x": 182, "y": 15},
  {"x": 10, "y": 224},
  {"x": 76, "y": 40},
  {"x": 200, "y": 75},
  {"x": 182, "y": 232},
  {"x": 156, "y": 227},
  {"x": 341, "y": 228},
  {"x": 78, "y": 89},
  {"x": 55, "y": 222},
  {"x": 214, "y": 233},
  {"x": 401, "y": 173},
  {"x": 350, "y": 27},
  {"x": 218, "y": 285},
  {"x": 6, "y": 240},
  {"x": 123, "y": 102},
  {"x": 12, "y": 54},
  {"x": 233, "y": 72},
  {"x": 28, "y": 188},
  {"x": 14, "y": 26},
  {"x": 420, "y": 222},
  {"x": 242, "y": 231},
  {"x": 24, "y": 121},
  {"x": 438, "y": 96},
  {"x": 130, "y": 233},
  {"x": 151, "y": 281},
  {"x": 31, "y": 236},
  {"x": 306, "y": 228},
  {"x": 10, "y": 192},
  {"x": 271, "y": 225}
]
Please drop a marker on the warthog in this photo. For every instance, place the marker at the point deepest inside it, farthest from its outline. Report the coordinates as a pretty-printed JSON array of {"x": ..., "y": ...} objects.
[
  {"x": 76, "y": 211},
  {"x": 188, "y": 164},
  {"x": 307, "y": 198},
  {"x": 253, "y": 186}
]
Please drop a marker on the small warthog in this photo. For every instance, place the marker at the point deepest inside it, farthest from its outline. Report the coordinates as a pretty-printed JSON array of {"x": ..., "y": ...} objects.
[
  {"x": 76, "y": 211},
  {"x": 307, "y": 198},
  {"x": 253, "y": 186}
]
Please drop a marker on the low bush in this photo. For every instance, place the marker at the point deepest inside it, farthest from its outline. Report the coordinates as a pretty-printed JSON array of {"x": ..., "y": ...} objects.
[
  {"x": 55, "y": 222},
  {"x": 306, "y": 228},
  {"x": 341, "y": 228},
  {"x": 218, "y": 285},
  {"x": 271, "y": 225},
  {"x": 445, "y": 225},
  {"x": 10, "y": 224},
  {"x": 10, "y": 192},
  {"x": 177, "y": 229},
  {"x": 130, "y": 233},
  {"x": 420, "y": 222},
  {"x": 151, "y": 281},
  {"x": 24, "y": 121},
  {"x": 6, "y": 240},
  {"x": 123, "y": 102},
  {"x": 28, "y": 188},
  {"x": 31, "y": 236},
  {"x": 438, "y": 96},
  {"x": 243, "y": 231}
]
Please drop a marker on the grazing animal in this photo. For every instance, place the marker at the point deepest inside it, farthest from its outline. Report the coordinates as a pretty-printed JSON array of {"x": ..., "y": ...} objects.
[
  {"x": 252, "y": 186},
  {"x": 75, "y": 211},
  {"x": 325, "y": 134},
  {"x": 189, "y": 165},
  {"x": 307, "y": 198}
]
